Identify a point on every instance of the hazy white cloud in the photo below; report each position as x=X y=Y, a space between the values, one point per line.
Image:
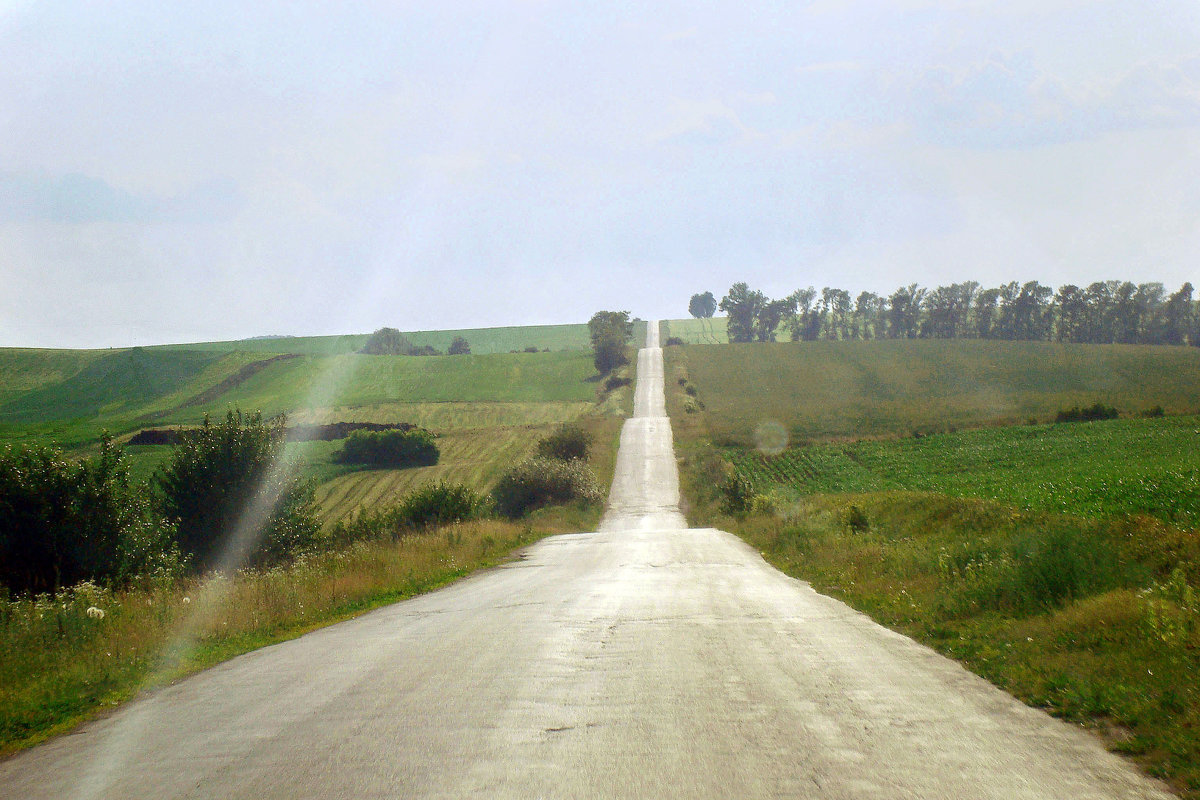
x=174 y=172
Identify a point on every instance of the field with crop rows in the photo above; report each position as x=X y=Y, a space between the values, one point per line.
x=474 y=458
x=1093 y=469
x=849 y=390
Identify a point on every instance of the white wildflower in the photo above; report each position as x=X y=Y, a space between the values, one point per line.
x=187 y=600
x=95 y=613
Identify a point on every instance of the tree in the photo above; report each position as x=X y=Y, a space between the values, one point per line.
x=459 y=347
x=702 y=306
x=768 y=318
x=387 y=342
x=743 y=306
x=63 y=521
x=1178 y=314
x=610 y=332
x=905 y=312
x=228 y=497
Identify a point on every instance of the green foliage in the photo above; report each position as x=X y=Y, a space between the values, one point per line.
x=616 y=382
x=432 y=505
x=537 y=482
x=397 y=448
x=387 y=342
x=702 y=306
x=673 y=341
x=62 y=522
x=1094 y=412
x=610 y=333
x=224 y=489
x=737 y=494
x=459 y=347
x=570 y=440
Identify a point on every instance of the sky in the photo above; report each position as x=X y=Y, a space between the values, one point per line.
x=177 y=172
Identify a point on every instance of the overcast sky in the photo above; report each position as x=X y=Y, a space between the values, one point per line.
x=177 y=172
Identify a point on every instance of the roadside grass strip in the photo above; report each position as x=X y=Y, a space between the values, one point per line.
x=69 y=656
x=1096 y=621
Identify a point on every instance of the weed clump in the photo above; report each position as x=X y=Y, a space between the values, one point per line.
x=568 y=441
x=1095 y=412
x=541 y=481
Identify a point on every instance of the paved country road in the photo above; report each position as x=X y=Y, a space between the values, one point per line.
x=644 y=660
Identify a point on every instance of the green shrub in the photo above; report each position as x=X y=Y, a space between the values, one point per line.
x=544 y=481
x=435 y=504
x=1094 y=412
x=438 y=504
x=387 y=342
x=737 y=495
x=673 y=341
x=63 y=522
x=616 y=382
x=569 y=441
x=222 y=489
x=394 y=448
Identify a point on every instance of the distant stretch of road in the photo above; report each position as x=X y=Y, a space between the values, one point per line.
x=645 y=660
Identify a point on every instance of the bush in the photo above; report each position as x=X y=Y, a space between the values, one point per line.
x=395 y=448
x=391 y=342
x=737 y=495
x=438 y=504
x=64 y=522
x=459 y=347
x=223 y=491
x=543 y=481
x=615 y=382
x=1097 y=411
x=531 y=349
x=387 y=342
x=569 y=441
x=673 y=341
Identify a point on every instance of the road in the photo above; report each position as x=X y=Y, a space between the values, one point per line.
x=644 y=660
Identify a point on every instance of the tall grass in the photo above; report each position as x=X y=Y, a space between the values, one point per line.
x=59 y=664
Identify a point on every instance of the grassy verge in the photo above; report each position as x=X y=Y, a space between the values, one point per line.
x=1094 y=621
x=60 y=665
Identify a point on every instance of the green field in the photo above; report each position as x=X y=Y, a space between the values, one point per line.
x=1095 y=469
x=696 y=331
x=850 y=390
x=489 y=408
x=482 y=340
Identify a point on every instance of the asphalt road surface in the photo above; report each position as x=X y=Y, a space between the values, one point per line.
x=645 y=660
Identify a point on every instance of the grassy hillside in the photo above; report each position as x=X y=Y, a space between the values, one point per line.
x=482 y=340
x=823 y=390
x=488 y=409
